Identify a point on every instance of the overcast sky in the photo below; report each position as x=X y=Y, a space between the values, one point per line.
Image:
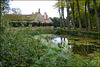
x=27 y=7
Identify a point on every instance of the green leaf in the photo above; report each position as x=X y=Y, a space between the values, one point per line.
x=51 y=51
x=39 y=62
x=62 y=55
x=55 y=47
x=34 y=65
x=41 y=58
x=53 y=58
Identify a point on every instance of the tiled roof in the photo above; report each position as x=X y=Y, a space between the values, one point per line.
x=15 y=17
x=33 y=16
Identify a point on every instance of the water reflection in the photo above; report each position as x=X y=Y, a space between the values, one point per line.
x=84 y=49
x=60 y=40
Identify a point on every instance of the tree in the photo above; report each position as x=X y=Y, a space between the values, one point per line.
x=4 y=6
x=60 y=18
x=89 y=16
x=62 y=12
x=62 y=9
x=15 y=11
x=87 y=13
x=68 y=16
x=72 y=7
x=96 y=13
x=60 y=4
x=56 y=21
x=80 y=26
x=0 y=12
x=85 y=16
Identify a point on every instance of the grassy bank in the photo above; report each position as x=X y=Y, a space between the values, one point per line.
x=33 y=28
x=78 y=33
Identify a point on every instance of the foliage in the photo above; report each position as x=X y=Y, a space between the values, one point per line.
x=15 y=11
x=78 y=33
x=26 y=24
x=81 y=4
x=4 y=6
x=18 y=48
x=56 y=21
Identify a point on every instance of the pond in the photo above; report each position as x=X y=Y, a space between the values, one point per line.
x=83 y=46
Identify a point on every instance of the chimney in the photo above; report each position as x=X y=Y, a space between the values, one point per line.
x=32 y=12
x=39 y=10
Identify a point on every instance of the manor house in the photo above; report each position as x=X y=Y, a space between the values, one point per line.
x=32 y=18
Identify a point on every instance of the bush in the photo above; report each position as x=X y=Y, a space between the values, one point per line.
x=78 y=33
x=18 y=24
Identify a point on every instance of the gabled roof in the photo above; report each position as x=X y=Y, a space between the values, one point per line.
x=15 y=17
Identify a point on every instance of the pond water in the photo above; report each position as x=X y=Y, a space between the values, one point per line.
x=78 y=45
x=51 y=38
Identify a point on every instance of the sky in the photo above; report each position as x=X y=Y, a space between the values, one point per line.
x=27 y=7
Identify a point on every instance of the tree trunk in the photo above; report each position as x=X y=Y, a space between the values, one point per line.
x=61 y=26
x=80 y=26
x=85 y=16
x=73 y=16
x=72 y=7
x=0 y=12
x=0 y=17
x=68 y=18
x=89 y=28
x=63 y=17
x=60 y=18
x=97 y=19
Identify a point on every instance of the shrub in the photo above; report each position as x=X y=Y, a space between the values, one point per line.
x=78 y=33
